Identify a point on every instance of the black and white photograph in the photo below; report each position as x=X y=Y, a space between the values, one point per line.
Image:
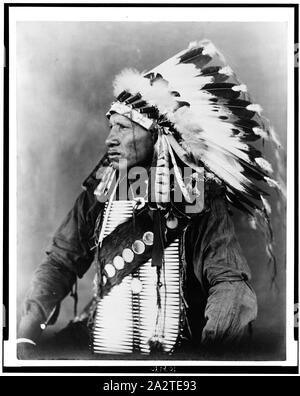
x=151 y=187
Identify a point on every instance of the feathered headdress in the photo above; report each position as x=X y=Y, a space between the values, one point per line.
x=205 y=116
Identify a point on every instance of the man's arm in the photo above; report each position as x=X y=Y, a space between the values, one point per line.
x=220 y=265
x=68 y=257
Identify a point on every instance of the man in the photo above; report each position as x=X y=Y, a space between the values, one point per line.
x=184 y=114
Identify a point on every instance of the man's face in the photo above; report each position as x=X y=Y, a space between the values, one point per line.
x=128 y=141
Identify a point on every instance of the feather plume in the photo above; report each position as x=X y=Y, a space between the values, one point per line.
x=261 y=132
x=264 y=164
x=129 y=80
x=178 y=175
x=275 y=184
x=240 y=88
x=266 y=205
x=226 y=70
x=255 y=107
x=162 y=175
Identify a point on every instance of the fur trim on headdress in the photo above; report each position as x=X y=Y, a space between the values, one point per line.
x=157 y=94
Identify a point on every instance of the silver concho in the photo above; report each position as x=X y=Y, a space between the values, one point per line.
x=148 y=238
x=110 y=270
x=128 y=255
x=118 y=262
x=138 y=247
x=172 y=223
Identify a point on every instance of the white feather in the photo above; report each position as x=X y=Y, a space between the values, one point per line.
x=255 y=107
x=275 y=184
x=260 y=132
x=211 y=50
x=130 y=80
x=271 y=182
x=240 y=88
x=211 y=176
x=264 y=164
x=162 y=177
x=226 y=169
x=266 y=205
x=224 y=166
x=177 y=173
x=226 y=70
x=192 y=44
x=158 y=94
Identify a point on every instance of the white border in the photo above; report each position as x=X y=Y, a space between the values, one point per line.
x=151 y=14
x=147 y=14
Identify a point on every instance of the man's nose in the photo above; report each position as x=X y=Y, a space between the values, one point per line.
x=112 y=139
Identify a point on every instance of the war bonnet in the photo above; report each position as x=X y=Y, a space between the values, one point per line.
x=205 y=116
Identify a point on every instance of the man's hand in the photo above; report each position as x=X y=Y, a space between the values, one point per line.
x=230 y=307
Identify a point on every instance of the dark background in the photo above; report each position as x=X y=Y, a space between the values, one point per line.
x=64 y=87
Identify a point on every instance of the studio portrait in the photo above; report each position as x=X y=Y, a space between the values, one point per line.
x=151 y=190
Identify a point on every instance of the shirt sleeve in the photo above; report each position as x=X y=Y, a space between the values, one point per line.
x=69 y=256
x=221 y=268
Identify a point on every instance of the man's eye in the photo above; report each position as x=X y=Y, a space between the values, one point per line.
x=119 y=126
